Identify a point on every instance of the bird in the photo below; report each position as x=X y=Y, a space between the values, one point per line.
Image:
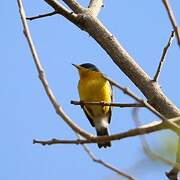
x=94 y=87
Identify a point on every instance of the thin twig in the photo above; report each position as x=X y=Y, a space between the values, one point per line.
x=102 y=103
x=172 y=19
x=163 y=57
x=42 y=16
x=145 y=129
x=95 y=6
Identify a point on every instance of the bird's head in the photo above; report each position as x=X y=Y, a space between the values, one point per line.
x=86 y=69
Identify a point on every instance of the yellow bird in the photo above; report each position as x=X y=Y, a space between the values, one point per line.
x=93 y=87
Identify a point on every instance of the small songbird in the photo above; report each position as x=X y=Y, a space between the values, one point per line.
x=93 y=87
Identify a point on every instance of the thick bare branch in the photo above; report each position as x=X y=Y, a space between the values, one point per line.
x=126 y=63
x=156 y=77
x=95 y=6
x=102 y=103
x=172 y=19
x=41 y=16
x=43 y=79
x=145 y=129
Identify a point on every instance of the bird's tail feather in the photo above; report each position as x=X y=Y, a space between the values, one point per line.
x=103 y=132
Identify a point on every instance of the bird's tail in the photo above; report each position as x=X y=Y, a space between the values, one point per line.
x=103 y=132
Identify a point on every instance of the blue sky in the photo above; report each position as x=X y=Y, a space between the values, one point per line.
x=142 y=27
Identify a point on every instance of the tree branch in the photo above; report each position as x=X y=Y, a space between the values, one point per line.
x=145 y=129
x=102 y=103
x=172 y=19
x=156 y=77
x=41 y=16
x=95 y=6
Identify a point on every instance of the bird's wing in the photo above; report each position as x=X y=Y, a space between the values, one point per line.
x=109 y=116
x=89 y=114
x=110 y=108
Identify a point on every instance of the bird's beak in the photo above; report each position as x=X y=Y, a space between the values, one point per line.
x=77 y=66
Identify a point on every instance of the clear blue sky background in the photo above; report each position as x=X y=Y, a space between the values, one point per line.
x=26 y=113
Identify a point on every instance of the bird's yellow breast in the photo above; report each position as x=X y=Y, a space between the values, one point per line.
x=95 y=88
